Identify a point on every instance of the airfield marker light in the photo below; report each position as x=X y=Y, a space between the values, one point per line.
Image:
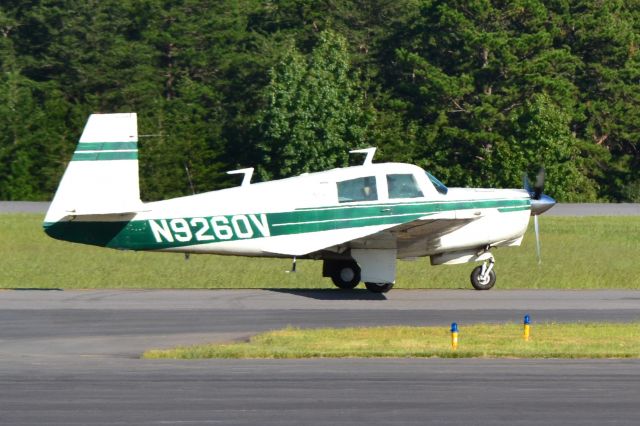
x=454 y=336
x=527 y=327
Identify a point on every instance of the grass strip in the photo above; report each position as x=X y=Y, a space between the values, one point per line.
x=551 y=340
x=577 y=253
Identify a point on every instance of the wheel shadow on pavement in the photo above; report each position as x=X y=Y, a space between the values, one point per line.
x=332 y=294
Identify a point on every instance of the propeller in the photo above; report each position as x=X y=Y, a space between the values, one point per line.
x=539 y=186
x=535 y=192
x=536 y=227
x=540 y=203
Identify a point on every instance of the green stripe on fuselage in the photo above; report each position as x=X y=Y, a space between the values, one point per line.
x=513 y=209
x=105 y=156
x=106 y=146
x=180 y=232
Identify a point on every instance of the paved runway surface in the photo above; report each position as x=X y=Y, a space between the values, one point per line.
x=561 y=209
x=71 y=358
x=595 y=209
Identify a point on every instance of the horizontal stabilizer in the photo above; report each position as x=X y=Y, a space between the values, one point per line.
x=107 y=211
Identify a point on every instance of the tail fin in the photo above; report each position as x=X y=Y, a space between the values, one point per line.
x=102 y=177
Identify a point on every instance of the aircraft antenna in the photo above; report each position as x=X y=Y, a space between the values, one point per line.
x=193 y=191
x=248 y=173
x=293 y=266
x=186 y=168
x=368 y=160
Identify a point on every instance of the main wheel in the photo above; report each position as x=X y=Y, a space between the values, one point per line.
x=346 y=275
x=379 y=287
x=482 y=283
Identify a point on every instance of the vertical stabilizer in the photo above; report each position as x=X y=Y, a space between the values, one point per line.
x=102 y=177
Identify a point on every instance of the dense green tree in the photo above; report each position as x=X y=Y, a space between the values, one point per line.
x=314 y=115
x=466 y=68
x=541 y=136
x=476 y=91
x=604 y=36
x=31 y=126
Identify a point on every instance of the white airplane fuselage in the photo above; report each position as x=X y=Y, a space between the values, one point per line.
x=288 y=217
x=358 y=219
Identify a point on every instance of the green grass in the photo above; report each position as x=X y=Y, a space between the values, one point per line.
x=578 y=253
x=599 y=340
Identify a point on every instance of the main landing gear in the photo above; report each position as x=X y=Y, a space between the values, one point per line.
x=483 y=277
x=345 y=274
x=379 y=287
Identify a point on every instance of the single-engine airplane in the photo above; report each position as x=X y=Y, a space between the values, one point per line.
x=358 y=220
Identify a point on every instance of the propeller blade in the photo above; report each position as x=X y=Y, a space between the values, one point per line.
x=537 y=229
x=526 y=184
x=539 y=186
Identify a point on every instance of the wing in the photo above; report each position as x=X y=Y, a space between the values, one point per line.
x=423 y=236
x=301 y=245
x=423 y=230
x=412 y=239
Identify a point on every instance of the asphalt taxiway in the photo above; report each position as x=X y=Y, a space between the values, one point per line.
x=560 y=209
x=72 y=357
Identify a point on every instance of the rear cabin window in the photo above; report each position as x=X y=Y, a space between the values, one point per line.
x=403 y=186
x=360 y=189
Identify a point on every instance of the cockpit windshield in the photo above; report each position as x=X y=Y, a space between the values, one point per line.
x=440 y=187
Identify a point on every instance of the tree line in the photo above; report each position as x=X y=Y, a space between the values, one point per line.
x=476 y=91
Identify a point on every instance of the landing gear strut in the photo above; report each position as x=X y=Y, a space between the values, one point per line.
x=483 y=277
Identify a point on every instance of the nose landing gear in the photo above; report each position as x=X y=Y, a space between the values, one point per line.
x=483 y=277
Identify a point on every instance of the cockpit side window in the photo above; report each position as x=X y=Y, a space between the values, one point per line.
x=403 y=186
x=359 y=189
x=440 y=187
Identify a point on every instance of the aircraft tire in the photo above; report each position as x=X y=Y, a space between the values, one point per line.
x=346 y=275
x=379 y=287
x=485 y=284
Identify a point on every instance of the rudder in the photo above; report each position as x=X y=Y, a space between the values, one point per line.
x=102 y=176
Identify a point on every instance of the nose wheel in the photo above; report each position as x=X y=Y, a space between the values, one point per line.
x=483 y=277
